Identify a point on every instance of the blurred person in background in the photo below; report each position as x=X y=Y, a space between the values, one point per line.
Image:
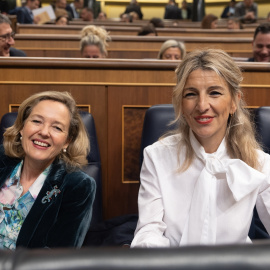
x=25 y=14
x=229 y=10
x=246 y=11
x=134 y=6
x=94 y=42
x=185 y=11
x=209 y=22
x=148 y=30
x=157 y=22
x=87 y=14
x=172 y=50
x=61 y=20
x=102 y=16
x=74 y=8
x=172 y=12
x=234 y=23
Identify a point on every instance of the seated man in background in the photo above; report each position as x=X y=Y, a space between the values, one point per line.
x=73 y=8
x=134 y=6
x=172 y=12
x=7 y=38
x=261 y=44
x=25 y=14
x=246 y=11
x=87 y=14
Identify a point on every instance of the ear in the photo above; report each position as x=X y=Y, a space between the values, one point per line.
x=67 y=143
x=235 y=103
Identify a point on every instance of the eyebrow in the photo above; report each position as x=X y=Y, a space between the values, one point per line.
x=213 y=87
x=55 y=122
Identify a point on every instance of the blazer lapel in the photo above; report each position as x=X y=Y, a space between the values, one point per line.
x=34 y=217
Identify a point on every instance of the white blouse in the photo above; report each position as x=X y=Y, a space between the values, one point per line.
x=210 y=203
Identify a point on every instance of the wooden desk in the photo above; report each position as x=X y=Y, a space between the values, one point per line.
x=118 y=93
x=129 y=47
x=133 y=30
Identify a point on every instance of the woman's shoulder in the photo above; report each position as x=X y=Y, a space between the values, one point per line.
x=264 y=160
x=70 y=177
x=166 y=142
x=79 y=176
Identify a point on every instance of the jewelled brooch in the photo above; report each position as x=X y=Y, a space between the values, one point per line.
x=50 y=194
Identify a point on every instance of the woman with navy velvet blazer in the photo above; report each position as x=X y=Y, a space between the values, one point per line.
x=45 y=199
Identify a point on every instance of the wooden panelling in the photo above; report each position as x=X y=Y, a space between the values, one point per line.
x=119 y=92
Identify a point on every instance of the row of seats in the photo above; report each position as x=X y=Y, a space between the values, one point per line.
x=156 y=122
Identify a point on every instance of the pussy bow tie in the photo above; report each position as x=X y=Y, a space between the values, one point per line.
x=200 y=227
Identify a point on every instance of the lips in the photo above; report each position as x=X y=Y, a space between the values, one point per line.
x=40 y=143
x=204 y=119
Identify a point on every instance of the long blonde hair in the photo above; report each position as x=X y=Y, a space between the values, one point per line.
x=240 y=135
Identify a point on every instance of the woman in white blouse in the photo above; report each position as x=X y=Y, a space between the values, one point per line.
x=199 y=185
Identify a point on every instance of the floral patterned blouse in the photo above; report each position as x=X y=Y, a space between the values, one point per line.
x=14 y=207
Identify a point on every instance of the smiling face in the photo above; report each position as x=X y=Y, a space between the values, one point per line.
x=5 y=43
x=92 y=51
x=206 y=104
x=45 y=133
x=172 y=53
x=261 y=48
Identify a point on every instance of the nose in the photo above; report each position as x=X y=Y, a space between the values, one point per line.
x=44 y=131
x=11 y=41
x=264 y=50
x=202 y=104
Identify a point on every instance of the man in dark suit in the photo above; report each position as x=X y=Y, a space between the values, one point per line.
x=73 y=8
x=134 y=7
x=25 y=14
x=7 y=38
x=172 y=11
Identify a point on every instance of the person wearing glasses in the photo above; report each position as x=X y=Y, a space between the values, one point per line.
x=7 y=38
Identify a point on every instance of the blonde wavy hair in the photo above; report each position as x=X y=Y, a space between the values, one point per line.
x=93 y=35
x=78 y=148
x=240 y=134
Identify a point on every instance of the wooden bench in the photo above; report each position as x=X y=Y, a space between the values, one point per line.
x=117 y=92
x=133 y=30
x=129 y=47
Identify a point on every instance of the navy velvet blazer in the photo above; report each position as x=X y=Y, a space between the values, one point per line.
x=64 y=220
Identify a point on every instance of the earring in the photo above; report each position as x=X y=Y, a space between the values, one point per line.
x=64 y=150
x=21 y=138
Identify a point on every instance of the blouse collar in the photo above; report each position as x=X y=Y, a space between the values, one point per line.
x=35 y=187
x=200 y=152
